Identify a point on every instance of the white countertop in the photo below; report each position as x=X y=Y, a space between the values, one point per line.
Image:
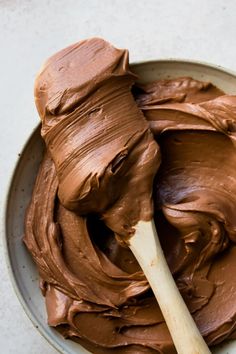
x=32 y=30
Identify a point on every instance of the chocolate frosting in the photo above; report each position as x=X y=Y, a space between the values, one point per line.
x=99 y=140
x=96 y=293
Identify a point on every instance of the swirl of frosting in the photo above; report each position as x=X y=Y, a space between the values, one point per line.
x=95 y=292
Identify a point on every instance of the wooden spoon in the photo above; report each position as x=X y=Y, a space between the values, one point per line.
x=146 y=247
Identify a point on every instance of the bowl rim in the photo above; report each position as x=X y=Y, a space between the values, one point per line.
x=185 y=61
x=13 y=174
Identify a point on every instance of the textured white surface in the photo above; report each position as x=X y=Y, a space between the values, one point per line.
x=30 y=31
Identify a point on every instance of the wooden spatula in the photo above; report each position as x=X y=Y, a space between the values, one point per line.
x=146 y=247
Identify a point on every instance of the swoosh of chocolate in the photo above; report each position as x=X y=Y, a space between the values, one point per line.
x=95 y=292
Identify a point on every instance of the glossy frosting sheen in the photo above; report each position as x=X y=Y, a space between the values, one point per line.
x=95 y=292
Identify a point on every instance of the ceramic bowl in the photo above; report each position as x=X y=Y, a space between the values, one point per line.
x=21 y=267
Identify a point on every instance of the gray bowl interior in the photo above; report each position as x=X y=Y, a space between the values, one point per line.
x=21 y=267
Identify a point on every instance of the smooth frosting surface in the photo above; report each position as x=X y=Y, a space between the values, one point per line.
x=95 y=292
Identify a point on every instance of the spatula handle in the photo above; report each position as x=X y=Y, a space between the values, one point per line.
x=146 y=247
